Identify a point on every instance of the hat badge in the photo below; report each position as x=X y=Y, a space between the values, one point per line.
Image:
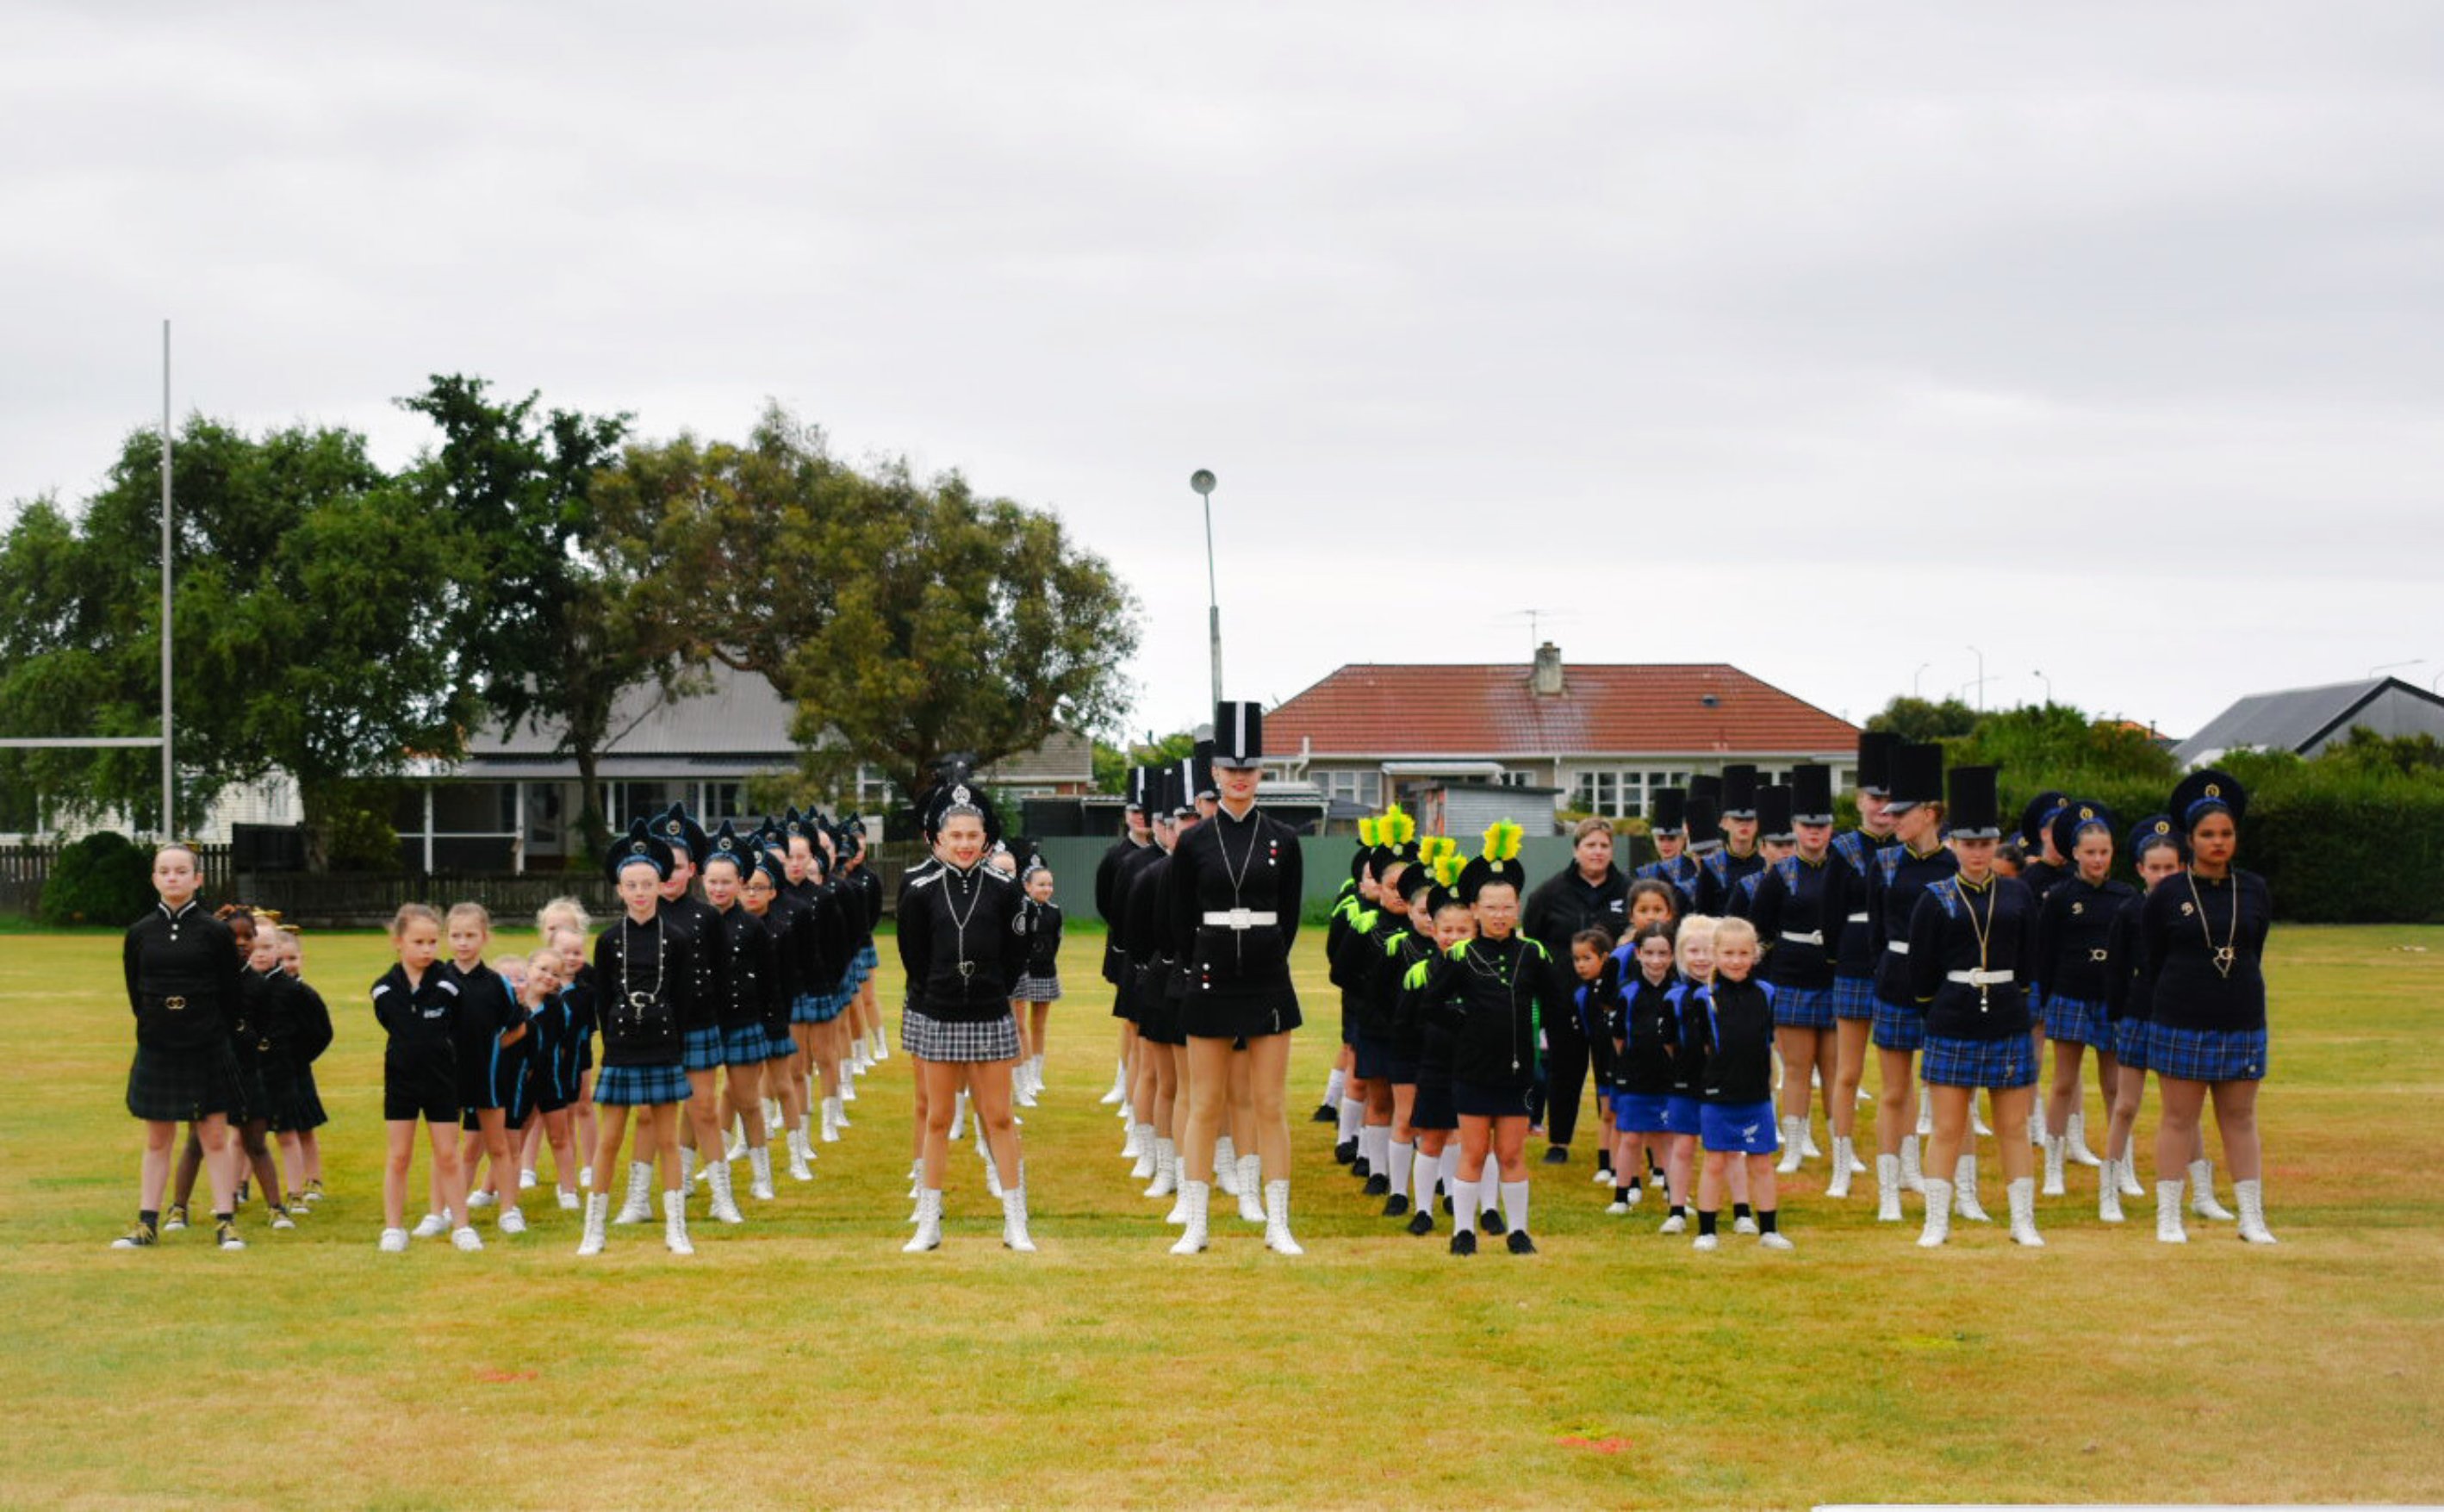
x=2163 y=827
x=2085 y=812
x=636 y=848
x=672 y=828
x=960 y=794
x=2214 y=790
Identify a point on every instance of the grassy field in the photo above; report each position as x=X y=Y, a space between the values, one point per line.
x=801 y=1360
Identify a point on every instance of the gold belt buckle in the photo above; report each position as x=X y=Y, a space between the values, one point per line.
x=174 y=1004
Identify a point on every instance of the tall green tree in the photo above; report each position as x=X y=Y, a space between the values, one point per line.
x=307 y=636
x=1922 y=720
x=908 y=619
x=548 y=606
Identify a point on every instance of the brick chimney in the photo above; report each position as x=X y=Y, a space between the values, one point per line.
x=1546 y=680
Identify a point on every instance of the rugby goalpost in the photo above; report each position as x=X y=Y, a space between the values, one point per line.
x=169 y=787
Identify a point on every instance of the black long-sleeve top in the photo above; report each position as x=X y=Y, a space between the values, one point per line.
x=1738 y=1025
x=692 y=917
x=271 y=1011
x=313 y=1024
x=2075 y=936
x=1719 y=875
x=1109 y=900
x=1223 y=865
x=827 y=941
x=1964 y=926
x=1898 y=877
x=645 y=978
x=746 y=969
x=1855 y=953
x=421 y=1018
x=1496 y=997
x=1358 y=968
x=788 y=923
x=1687 y=1000
x=182 y=972
x=1798 y=916
x=1645 y=1030
x=2186 y=920
x=1040 y=924
x=1403 y=952
x=960 y=943
x=1681 y=872
x=487 y=1010
x=1145 y=927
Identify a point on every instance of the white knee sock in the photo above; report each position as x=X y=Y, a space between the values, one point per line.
x=1404 y=1159
x=1430 y=1169
x=1353 y=1117
x=1463 y=1209
x=1515 y=1205
x=1332 y=1085
x=1489 y=1187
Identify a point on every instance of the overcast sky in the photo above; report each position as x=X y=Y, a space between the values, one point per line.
x=1826 y=340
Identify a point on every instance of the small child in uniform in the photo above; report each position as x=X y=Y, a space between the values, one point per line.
x=1039 y=985
x=416 y=1003
x=1736 y=1115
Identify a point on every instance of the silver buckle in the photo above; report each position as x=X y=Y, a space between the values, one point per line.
x=1243 y=919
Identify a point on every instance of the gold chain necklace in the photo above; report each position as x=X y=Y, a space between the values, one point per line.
x=2225 y=956
x=1982 y=929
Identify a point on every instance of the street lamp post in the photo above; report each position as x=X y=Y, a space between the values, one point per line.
x=1981 y=677
x=1918 y=677
x=1202 y=481
x=2039 y=675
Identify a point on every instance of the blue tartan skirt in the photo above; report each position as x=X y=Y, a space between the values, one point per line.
x=1854 y=997
x=1898 y=1028
x=867 y=960
x=701 y=1050
x=630 y=1086
x=2009 y=1061
x=2076 y=1019
x=2206 y=1055
x=2130 y=1042
x=779 y=1044
x=826 y=1007
x=745 y=1045
x=1802 y=1008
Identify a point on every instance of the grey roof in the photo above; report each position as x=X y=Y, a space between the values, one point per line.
x=2294 y=719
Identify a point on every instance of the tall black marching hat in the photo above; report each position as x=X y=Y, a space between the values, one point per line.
x=1139 y=778
x=1669 y=814
x=2039 y=816
x=1740 y=790
x=1916 y=776
x=1973 y=811
x=1705 y=811
x=1876 y=748
x=2074 y=819
x=1773 y=812
x=640 y=846
x=1183 y=786
x=1238 y=735
x=1200 y=763
x=2205 y=791
x=1811 y=793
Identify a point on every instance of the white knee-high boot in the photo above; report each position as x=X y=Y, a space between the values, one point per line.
x=2202 y=1197
x=1888 y=1189
x=1964 y=1191
x=2021 y=1196
x=2053 y=1166
x=2251 y=1197
x=2108 y=1193
x=1938 y=1213
x=1794 y=1133
x=1193 y=1196
x=2167 y=1213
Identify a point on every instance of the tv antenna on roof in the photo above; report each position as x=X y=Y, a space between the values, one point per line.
x=1536 y=619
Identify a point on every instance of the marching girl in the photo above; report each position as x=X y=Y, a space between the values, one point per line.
x=648 y=975
x=1669 y=828
x=1597 y=1001
x=544 y=1114
x=1651 y=901
x=2033 y=858
x=1155 y=1098
x=1403 y=1041
x=1136 y=835
x=784 y=1083
x=1903 y=873
x=911 y=879
x=269 y=1010
x=1694 y=957
x=493 y=1042
x=1433 y=1119
x=2074 y=951
x=863 y=908
x=1855 y=958
x=1039 y=988
x=181 y=968
x=416 y=1003
x=701 y=1050
x=1494 y=994
x=301 y=1147
x=1973 y=941
x=1798 y=915
x=821 y=934
x=2155 y=853
x=1644 y=1027
x=1735 y=1110
x=744 y=974
x=566 y=917
x=959 y=944
x=1236 y=891
x=1351 y=895
x=1353 y=916
x=2201 y=946
x=1357 y=969
x=1724 y=867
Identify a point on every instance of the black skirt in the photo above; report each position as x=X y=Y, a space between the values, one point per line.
x=179 y=1086
x=1238 y=1017
x=305 y=1106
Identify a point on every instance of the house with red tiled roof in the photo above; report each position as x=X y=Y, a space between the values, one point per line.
x=1602 y=737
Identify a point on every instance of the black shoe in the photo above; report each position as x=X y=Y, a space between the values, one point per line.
x=1377 y=1186
x=1521 y=1243
x=1421 y=1223
x=1558 y=1155
x=1326 y=1113
x=1361 y=1168
x=1345 y=1151
x=1398 y=1206
x=1463 y=1242
x=1492 y=1223
x=1447 y=1206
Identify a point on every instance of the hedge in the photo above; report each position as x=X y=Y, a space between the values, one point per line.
x=103 y=878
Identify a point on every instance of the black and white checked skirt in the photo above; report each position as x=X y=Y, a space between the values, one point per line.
x=931 y=1038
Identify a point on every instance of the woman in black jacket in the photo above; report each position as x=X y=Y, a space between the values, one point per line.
x=1590 y=893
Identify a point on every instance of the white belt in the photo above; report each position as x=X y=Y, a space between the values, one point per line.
x=1978 y=979
x=1802 y=937
x=1860 y=917
x=1241 y=920
x=1897 y=947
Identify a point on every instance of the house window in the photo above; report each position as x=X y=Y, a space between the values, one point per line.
x=873 y=790
x=1364 y=788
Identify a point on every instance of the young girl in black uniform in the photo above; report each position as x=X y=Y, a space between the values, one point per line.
x=2202 y=941
x=416 y=1005
x=302 y=1148
x=491 y=1053
x=1900 y=874
x=1040 y=987
x=1736 y=1113
x=1973 y=938
x=1403 y=1041
x=181 y=968
x=646 y=972
x=544 y=1117
x=559 y=917
x=2074 y=939
x=1495 y=994
x=762 y=893
x=743 y=974
x=270 y=1011
x=1644 y=1029
x=1798 y=913
x=2156 y=851
x=1431 y=1116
